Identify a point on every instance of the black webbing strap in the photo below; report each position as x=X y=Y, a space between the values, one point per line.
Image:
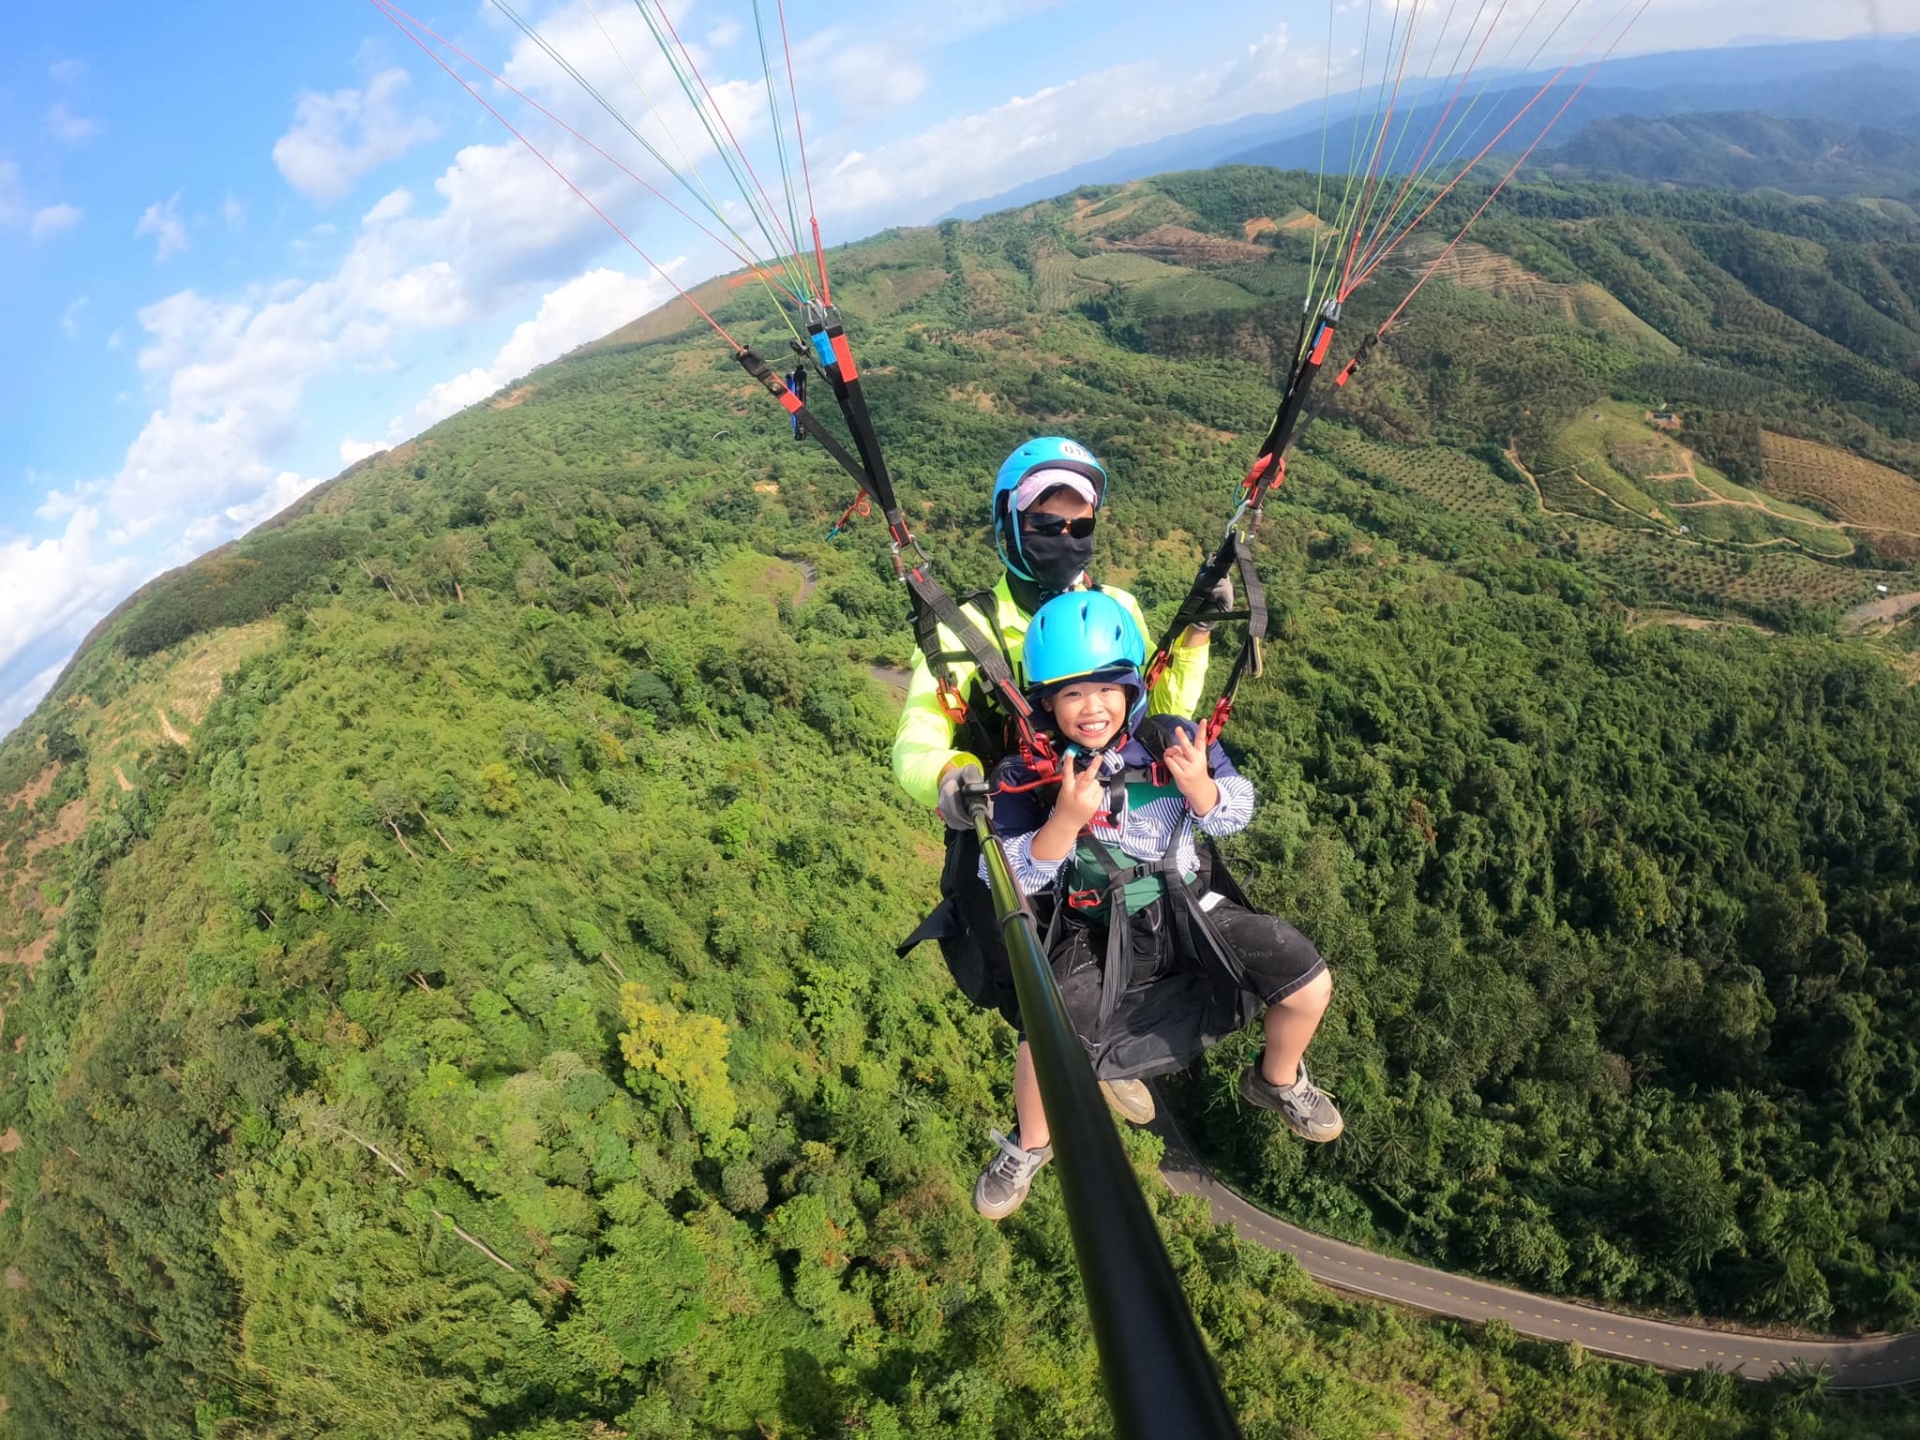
x=844 y=376
x=933 y=607
x=1119 y=958
x=1233 y=555
x=776 y=386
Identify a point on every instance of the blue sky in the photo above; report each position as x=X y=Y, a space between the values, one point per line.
x=242 y=245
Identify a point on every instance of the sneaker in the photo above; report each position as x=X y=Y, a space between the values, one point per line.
x=1308 y=1110
x=1129 y=1099
x=1005 y=1183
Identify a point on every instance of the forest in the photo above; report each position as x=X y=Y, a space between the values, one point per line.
x=482 y=1018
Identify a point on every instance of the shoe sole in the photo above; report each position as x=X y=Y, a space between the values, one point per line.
x=1250 y=1094
x=1131 y=1114
x=981 y=1208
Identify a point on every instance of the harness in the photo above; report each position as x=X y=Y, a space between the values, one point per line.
x=1195 y=941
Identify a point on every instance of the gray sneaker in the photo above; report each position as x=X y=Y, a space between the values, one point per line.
x=1308 y=1110
x=1005 y=1183
x=1129 y=1099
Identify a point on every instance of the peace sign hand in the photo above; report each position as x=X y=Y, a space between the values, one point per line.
x=1083 y=791
x=1186 y=762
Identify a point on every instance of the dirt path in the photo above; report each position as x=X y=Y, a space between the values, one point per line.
x=121 y=776
x=1513 y=454
x=1879 y=1363
x=1887 y=607
x=172 y=734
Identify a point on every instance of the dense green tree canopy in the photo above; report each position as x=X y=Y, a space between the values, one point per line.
x=488 y=1023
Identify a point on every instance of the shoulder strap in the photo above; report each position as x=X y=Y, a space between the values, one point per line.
x=934 y=608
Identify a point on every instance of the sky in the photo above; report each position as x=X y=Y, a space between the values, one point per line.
x=242 y=246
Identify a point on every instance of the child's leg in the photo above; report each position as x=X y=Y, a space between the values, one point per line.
x=1290 y=1024
x=1281 y=963
x=1026 y=1100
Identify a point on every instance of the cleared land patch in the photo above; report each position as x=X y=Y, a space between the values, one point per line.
x=1183 y=246
x=1475 y=267
x=1613 y=464
x=1844 y=486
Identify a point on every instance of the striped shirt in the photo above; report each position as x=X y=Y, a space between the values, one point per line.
x=1142 y=832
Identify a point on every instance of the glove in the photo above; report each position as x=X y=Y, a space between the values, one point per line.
x=952 y=806
x=1219 y=600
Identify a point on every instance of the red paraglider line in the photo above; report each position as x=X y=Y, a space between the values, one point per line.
x=508 y=85
x=393 y=14
x=720 y=114
x=1514 y=169
x=1366 y=206
x=1467 y=169
x=813 y=213
x=1413 y=175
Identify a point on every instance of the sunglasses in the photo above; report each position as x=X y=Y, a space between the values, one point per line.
x=1045 y=524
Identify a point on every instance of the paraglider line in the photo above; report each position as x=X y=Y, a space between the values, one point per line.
x=387 y=5
x=1514 y=169
x=813 y=213
x=1467 y=169
x=385 y=8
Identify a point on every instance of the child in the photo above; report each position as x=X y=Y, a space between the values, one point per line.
x=1116 y=834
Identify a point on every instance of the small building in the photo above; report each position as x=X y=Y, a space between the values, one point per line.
x=1879 y=589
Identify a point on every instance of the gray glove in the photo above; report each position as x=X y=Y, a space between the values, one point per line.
x=953 y=808
x=1219 y=601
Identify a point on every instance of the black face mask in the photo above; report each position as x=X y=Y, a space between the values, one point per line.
x=1056 y=561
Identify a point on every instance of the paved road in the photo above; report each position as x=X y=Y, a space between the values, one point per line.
x=1855 y=1365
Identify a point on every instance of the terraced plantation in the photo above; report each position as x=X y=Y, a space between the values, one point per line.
x=1876 y=498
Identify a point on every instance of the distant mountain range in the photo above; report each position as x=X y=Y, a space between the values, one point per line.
x=1745 y=151
x=1872 y=82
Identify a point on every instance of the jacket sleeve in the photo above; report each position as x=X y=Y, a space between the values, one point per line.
x=1183 y=686
x=923 y=741
x=1235 y=809
x=1179 y=690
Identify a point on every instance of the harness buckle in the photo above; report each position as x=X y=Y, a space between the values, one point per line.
x=1218 y=720
x=952 y=703
x=1085 y=899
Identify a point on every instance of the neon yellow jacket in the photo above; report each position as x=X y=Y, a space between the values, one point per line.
x=923 y=745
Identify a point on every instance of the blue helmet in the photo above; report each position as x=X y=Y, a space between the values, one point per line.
x=1084 y=635
x=1049 y=452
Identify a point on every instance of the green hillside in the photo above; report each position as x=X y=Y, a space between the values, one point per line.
x=451 y=985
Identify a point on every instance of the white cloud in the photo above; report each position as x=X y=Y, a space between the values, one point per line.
x=52 y=219
x=583 y=309
x=67 y=71
x=229 y=373
x=337 y=138
x=1081 y=118
x=70 y=317
x=69 y=128
x=234 y=521
x=56 y=586
x=162 y=221
x=19 y=704
x=873 y=77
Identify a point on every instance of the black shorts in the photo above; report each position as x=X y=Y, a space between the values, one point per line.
x=1276 y=958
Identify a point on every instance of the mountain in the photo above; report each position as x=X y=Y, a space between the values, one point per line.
x=1863 y=81
x=446 y=939
x=1746 y=151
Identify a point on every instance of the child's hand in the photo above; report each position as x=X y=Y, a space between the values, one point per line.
x=1186 y=762
x=1082 y=792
